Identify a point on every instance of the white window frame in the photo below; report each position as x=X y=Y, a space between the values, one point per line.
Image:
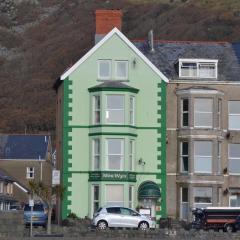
x=131 y=154
x=184 y=112
x=182 y=155
x=121 y=154
x=94 y=200
x=119 y=109
x=203 y=156
x=219 y=151
x=198 y=63
x=219 y=113
x=232 y=158
x=96 y=110
x=132 y=110
x=200 y=112
x=126 y=64
x=110 y=69
x=232 y=114
x=30 y=170
x=94 y=155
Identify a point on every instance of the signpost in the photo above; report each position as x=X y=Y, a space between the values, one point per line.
x=31 y=204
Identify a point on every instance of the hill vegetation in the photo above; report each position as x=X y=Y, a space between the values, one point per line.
x=40 y=39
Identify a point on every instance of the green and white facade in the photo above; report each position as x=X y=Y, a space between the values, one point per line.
x=111 y=130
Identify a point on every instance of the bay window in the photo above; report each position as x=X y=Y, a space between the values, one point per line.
x=131 y=155
x=115 y=153
x=234 y=115
x=203 y=157
x=115 y=109
x=203 y=112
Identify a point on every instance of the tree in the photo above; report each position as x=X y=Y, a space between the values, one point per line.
x=45 y=192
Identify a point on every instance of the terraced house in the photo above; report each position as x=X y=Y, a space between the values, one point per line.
x=111 y=126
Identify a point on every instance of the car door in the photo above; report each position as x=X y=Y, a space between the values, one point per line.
x=114 y=217
x=129 y=218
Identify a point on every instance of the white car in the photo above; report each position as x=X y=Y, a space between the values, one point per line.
x=121 y=217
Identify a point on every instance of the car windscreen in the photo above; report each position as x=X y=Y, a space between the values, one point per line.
x=36 y=208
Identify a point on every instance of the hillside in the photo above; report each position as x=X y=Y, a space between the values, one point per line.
x=39 y=39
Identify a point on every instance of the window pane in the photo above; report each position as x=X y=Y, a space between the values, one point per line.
x=121 y=69
x=203 y=148
x=104 y=69
x=115 y=102
x=96 y=154
x=115 y=146
x=234 y=122
x=203 y=156
x=202 y=195
x=207 y=70
x=234 y=158
x=184 y=148
x=234 y=150
x=114 y=195
x=185 y=164
x=203 y=119
x=114 y=162
x=234 y=107
x=184 y=194
x=185 y=120
x=115 y=109
x=185 y=104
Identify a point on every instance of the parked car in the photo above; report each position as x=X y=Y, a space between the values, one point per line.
x=121 y=217
x=39 y=215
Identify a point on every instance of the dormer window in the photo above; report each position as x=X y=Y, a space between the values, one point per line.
x=198 y=68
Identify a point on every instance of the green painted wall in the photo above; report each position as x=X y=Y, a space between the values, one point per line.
x=149 y=131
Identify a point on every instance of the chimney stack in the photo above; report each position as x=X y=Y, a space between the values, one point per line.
x=106 y=20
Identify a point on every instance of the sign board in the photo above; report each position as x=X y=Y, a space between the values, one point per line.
x=112 y=176
x=31 y=202
x=145 y=211
x=55 y=177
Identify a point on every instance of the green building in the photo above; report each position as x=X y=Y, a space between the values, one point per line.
x=111 y=130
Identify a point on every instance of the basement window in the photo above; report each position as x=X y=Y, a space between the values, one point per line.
x=198 y=68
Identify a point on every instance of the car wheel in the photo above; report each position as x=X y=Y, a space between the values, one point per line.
x=143 y=226
x=102 y=225
x=229 y=228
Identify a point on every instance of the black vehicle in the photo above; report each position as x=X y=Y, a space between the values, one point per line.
x=226 y=218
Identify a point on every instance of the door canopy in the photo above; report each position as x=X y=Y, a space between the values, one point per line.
x=149 y=190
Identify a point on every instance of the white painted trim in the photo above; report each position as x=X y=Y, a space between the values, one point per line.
x=27 y=160
x=172 y=174
x=99 y=44
x=201 y=181
x=201 y=136
x=198 y=60
x=21 y=187
x=172 y=129
x=198 y=91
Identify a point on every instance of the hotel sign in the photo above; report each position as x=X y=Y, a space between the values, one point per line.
x=112 y=176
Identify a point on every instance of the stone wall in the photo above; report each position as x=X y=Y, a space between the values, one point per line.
x=11 y=224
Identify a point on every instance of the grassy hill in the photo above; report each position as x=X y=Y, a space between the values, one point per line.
x=40 y=39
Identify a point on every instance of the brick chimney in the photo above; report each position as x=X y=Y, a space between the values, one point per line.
x=106 y=20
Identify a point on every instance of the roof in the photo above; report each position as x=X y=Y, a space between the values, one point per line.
x=5 y=177
x=167 y=54
x=100 y=43
x=23 y=147
x=113 y=85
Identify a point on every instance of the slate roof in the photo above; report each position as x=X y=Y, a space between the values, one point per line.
x=167 y=53
x=5 y=177
x=20 y=147
x=112 y=84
